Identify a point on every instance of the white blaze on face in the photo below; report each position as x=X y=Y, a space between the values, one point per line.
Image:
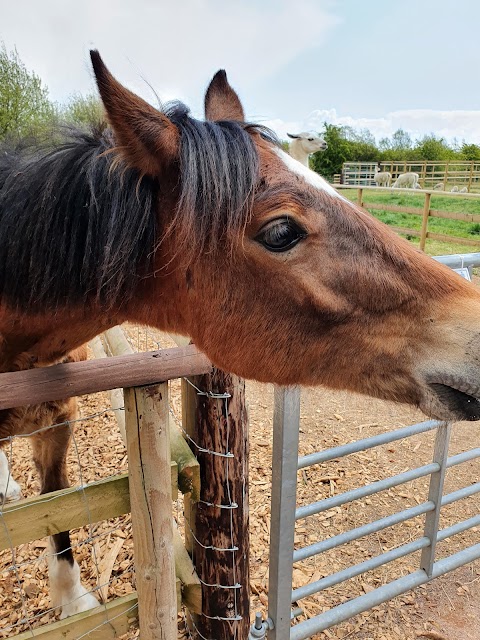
x=311 y=177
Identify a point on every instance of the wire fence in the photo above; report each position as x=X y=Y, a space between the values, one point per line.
x=227 y=553
x=102 y=549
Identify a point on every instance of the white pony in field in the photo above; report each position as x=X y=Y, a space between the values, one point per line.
x=382 y=178
x=305 y=143
x=439 y=187
x=407 y=181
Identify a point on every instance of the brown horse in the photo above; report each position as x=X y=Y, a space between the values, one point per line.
x=208 y=229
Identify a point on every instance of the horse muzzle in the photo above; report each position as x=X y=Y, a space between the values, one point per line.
x=451 y=397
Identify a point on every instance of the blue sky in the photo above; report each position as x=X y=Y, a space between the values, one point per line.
x=366 y=63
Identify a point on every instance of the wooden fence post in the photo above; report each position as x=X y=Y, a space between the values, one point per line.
x=426 y=213
x=215 y=417
x=148 y=447
x=470 y=176
x=360 y=197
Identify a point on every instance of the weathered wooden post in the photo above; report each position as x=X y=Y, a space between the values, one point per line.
x=426 y=213
x=360 y=197
x=148 y=447
x=215 y=417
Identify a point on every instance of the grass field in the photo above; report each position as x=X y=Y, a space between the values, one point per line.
x=456 y=228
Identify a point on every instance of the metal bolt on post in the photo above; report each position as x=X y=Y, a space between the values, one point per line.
x=259 y=628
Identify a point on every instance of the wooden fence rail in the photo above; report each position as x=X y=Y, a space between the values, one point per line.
x=60 y=381
x=450 y=172
x=426 y=212
x=159 y=550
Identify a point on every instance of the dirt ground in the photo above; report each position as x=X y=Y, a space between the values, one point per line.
x=446 y=609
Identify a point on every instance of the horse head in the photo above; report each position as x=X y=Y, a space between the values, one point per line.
x=279 y=278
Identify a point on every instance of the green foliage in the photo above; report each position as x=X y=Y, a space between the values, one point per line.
x=348 y=145
x=344 y=144
x=84 y=110
x=339 y=150
x=470 y=151
x=398 y=147
x=432 y=148
x=25 y=109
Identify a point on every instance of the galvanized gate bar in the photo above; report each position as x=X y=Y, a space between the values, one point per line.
x=382 y=523
x=368 y=490
x=459 y=494
x=364 y=602
x=282 y=551
x=389 y=556
x=457 y=528
x=463 y=457
x=366 y=443
x=359 y=532
x=435 y=491
x=286 y=423
x=357 y=569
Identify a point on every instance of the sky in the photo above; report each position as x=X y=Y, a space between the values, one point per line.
x=296 y=64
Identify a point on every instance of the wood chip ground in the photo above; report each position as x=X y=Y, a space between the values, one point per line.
x=448 y=608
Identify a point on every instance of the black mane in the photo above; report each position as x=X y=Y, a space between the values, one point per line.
x=76 y=224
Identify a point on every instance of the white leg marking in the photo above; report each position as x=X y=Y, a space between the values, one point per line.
x=9 y=489
x=67 y=591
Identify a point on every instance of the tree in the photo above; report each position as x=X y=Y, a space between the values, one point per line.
x=470 y=151
x=338 y=151
x=25 y=109
x=398 y=147
x=432 y=148
x=84 y=110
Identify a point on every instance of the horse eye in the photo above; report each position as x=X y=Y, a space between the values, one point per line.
x=281 y=234
x=310 y=139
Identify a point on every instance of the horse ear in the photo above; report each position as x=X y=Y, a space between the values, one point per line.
x=146 y=138
x=221 y=101
x=292 y=135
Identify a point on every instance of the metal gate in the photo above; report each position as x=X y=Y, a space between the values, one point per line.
x=285 y=513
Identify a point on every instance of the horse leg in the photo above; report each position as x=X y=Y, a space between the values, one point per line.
x=49 y=451
x=9 y=489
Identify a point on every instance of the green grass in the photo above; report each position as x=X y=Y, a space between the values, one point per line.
x=445 y=226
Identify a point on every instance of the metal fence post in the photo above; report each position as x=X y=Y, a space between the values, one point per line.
x=435 y=493
x=286 y=422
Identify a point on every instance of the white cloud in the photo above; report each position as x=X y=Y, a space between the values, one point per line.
x=281 y=127
x=460 y=124
x=176 y=47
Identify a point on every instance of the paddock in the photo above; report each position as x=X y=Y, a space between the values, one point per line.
x=431 y=172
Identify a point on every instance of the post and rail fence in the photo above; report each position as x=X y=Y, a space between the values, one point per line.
x=431 y=172
x=426 y=212
x=211 y=413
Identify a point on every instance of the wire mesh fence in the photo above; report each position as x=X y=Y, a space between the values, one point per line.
x=101 y=548
x=225 y=590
